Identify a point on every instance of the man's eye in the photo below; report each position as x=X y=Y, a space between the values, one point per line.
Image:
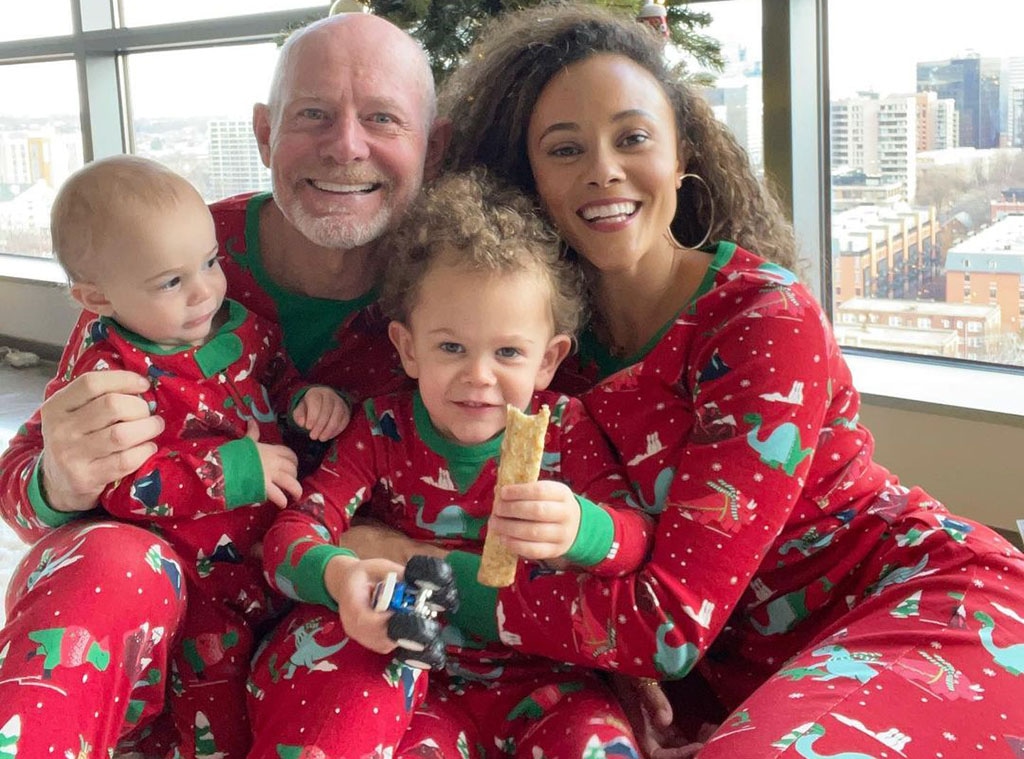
x=315 y=114
x=382 y=118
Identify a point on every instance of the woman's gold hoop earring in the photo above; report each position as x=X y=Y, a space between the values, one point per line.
x=711 y=213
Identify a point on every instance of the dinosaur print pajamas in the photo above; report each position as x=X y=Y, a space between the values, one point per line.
x=437 y=491
x=833 y=611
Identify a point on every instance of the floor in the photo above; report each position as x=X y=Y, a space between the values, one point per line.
x=21 y=391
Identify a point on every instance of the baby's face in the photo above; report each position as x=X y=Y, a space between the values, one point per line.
x=476 y=342
x=166 y=284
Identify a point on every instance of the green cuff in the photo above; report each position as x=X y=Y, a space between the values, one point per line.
x=308 y=577
x=477 y=616
x=595 y=537
x=243 y=473
x=46 y=515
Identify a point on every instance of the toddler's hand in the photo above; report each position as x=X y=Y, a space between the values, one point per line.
x=280 y=469
x=350 y=582
x=538 y=520
x=322 y=413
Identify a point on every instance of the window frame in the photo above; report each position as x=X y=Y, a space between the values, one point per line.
x=797 y=155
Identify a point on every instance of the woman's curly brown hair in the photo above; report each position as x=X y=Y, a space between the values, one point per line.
x=489 y=101
x=471 y=221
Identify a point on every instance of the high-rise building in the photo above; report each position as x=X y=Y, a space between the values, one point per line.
x=235 y=164
x=938 y=125
x=878 y=137
x=1015 y=102
x=973 y=84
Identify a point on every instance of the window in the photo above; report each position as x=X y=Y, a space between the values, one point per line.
x=40 y=144
x=189 y=107
x=931 y=121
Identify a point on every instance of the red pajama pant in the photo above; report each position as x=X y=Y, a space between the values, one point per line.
x=927 y=665
x=102 y=635
x=313 y=689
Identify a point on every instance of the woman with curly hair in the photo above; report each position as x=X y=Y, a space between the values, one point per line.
x=831 y=610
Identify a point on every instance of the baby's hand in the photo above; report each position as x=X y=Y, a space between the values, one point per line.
x=322 y=413
x=538 y=520
x=350 y=582
x=280 y=469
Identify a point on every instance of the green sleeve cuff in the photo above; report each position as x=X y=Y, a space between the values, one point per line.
x=477 y=616
x=308 y=576
x=36 y=498
x=243 y=473
x=595 y=537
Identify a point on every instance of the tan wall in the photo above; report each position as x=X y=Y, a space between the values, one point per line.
x=972 y=465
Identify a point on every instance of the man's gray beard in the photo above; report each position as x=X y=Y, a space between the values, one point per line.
x=343 y=234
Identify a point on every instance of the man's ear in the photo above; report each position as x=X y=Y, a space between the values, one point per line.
x=558 y=348
x=437 y=145
x=401 y=337
x=261 y=130
x=91 y=298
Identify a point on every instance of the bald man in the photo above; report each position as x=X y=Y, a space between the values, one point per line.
x=349 y=131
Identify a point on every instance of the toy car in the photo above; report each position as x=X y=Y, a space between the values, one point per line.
x=427 y=591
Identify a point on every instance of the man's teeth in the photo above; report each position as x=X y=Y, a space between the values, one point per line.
x=331 y=187
x=608 y=211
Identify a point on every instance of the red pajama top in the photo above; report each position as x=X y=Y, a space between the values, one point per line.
x=342 y=344
x=439 y=491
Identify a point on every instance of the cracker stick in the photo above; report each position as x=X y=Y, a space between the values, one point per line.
x=521 y=452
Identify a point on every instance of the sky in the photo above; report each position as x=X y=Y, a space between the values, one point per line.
x=874 y=44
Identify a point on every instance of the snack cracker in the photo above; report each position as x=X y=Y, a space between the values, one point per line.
x=521 y=452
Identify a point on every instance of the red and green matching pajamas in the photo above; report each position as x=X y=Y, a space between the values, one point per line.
x=833 y=611
x=312 y=686
x=96 y=606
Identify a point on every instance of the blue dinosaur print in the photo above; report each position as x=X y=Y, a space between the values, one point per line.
x=782 y=447
x=661 y=485
x=451 y=521
x=803 y=739
x=840 y=663
x=1011 y=657
x=673 y=661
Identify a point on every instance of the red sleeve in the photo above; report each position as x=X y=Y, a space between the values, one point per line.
x=724 y=501
x=293 y=548
x=591 y=469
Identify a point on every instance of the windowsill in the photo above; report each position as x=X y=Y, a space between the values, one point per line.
x=31 y=270
x=914 y=383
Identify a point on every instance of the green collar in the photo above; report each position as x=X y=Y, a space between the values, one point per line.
x=217 y=353
x=464 y=461
x=593 y=350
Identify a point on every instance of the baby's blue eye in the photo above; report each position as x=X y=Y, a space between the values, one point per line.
x=451 y=347
x=508 y=352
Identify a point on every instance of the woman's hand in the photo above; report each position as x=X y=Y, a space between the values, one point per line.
x=650 y=716
x=96 y=429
